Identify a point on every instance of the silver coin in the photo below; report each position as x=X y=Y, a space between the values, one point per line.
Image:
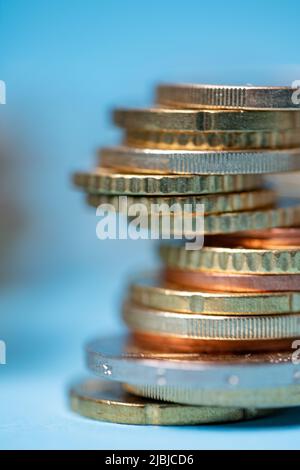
x=114 y=359
x=222 y=162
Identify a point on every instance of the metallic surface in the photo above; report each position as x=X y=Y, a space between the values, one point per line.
x=261 y=380
x=231 y=260
x=213 y=203
x=213 y=327
x=288 y=237
x=137 y=160
x=163 y=119
x=152 y=292
x=236 y=97
x=229 y=282
x=213 y=140
x=170 y=344
x=104 y=181
x=108 y=401
x=264 y=398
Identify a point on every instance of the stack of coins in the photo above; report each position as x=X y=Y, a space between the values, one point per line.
x=214 y=334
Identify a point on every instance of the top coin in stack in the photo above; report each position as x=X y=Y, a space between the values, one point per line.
x=228 y=97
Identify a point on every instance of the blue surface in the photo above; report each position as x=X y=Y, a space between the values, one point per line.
x=66 y=63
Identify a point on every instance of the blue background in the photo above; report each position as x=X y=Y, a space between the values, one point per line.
x=66 y=63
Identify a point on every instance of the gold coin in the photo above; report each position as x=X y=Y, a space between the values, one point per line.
x=229 y=140
x=200 y=162
x=185 y=120
x=213 y=203
x=230 y=97
x=232 y=260
x=108 y=401
x=152 y=293
x=103 y=181
x=285 y=215
x=210 y=327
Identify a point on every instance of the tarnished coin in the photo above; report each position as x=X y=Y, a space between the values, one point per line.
x=103 y=181
x=229 y=282
x=212 y=203
x=153 y=292
x=263 y=380
x=187 y=120
x=200 y=162
x=234 y=97
x=108 y=401
x=231 y=260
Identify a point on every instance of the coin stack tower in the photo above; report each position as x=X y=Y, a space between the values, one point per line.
x=214 y=336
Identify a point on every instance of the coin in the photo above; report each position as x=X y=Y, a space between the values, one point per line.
x=170 y=344
x=211 y=327
x=259 y=397
x=137 y=160
x=152 y=292
x=186 y=120
x=283 y=238
x=103 y=181
x=108 y=401
x=235 y=97
x=212 y=203
x=286 y=214
x=232 y=260
x=213 y=140
x=228 y=282
x=261 y=380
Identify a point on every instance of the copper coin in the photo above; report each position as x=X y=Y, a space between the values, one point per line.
x=150 y=342
x=271 y=238
x=233 y=282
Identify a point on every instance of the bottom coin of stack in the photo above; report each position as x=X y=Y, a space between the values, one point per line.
x=208 y=350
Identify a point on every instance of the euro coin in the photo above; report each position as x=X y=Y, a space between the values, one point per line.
x=229 y=97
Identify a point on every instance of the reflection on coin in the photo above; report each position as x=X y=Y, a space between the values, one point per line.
x=229 y=282
x=285 y=237
x=108 y=401
x=197 y=162
x=236 y=97
x=238 y=380
x=170 y=344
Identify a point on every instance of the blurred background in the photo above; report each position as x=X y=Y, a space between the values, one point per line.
x=66 y=64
